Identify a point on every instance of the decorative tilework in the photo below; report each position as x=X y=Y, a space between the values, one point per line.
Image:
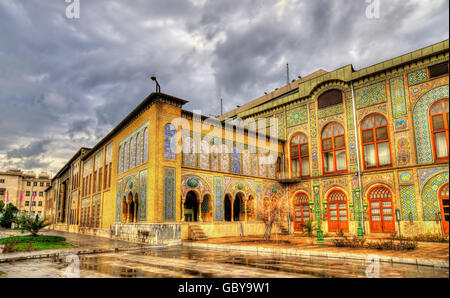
x=296 y=116
x=329 y=111
x=142 y=217
x=351 y=134
x=371 y=95
x=417 y=77
x=398 y=101
x=313 y=131
x=417 y=91
x=403 y=152
x=430 y=203
x=119 y=200
x=408 y=202
x=421 y=124
x=382 y=109
x=169 y=194
x=280 y=117
x=424 y=174
x=406 y=177
x=400 y=124
x=236 y=163
x=218 y=198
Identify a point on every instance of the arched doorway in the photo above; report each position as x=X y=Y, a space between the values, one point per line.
x=381 y=211
x=206 y=208
x=191 y=207
x=227 y=208
x=301 y=210
x=238 y=207
x=131 y=208
x=337 y=212
x=124 y=209
x=136 y=207
x=444 y=200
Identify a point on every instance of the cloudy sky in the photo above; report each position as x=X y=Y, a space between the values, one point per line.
x=64 y=83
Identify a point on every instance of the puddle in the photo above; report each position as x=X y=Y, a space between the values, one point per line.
x=184 y=262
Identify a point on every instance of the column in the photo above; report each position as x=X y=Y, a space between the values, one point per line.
x=232 y=210
x=245 y=209
x=200 y=210
x=183 y=200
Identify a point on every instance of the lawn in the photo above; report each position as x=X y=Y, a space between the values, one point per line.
x=29 y=243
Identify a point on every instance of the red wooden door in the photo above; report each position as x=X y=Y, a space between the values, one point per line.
x=301 y=210
x=443 y=198
x=381 y=216
x=337 y=212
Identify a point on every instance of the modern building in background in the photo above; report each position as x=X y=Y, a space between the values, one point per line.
x=360 y=145
x=25 y=190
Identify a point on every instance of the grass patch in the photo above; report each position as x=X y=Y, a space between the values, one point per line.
x=27 y=239
x=42 y=246
x=34 y=243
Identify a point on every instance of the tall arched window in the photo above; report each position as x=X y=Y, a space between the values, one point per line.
x=138 y=149
x=299 y=156
x=145 y=145
x=333 y=148
x=381 y=210
x=375 y=141
x=439 y=129
x=169 y=144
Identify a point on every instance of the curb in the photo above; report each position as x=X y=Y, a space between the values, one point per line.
x=312 y=253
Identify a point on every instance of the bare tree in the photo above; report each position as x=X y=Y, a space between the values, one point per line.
x=271 y=211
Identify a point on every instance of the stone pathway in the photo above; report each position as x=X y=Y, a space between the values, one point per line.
x=427 y=253
x=187 y=262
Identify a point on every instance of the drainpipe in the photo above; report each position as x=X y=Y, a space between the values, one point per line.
x=361 y=199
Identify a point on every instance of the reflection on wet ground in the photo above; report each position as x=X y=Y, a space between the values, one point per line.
x=185 y=262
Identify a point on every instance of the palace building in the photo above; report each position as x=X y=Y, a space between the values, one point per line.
x=363 y=144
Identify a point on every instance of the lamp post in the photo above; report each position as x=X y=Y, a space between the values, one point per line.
x=356 y=193
x=158 y=87
x=318 y=212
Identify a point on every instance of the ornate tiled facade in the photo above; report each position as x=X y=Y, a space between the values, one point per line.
x=228 y=177
x=417 y=77
x=421 y=123
x=371 y=95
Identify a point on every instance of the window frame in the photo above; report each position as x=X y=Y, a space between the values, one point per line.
x=299 y=157
x=375 y=143
x=433 y=132
x=333 y=149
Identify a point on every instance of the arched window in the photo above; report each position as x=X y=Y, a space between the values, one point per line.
x=329 y=98
x=145 y=145
x=333 y=148
x=439 y=129
x=299 y=156
x=138 y=149
x=126 y=157
x=375 y=141
x=120 y=159
x=169 y=145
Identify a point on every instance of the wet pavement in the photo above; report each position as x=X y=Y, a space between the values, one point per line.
x=186 y=262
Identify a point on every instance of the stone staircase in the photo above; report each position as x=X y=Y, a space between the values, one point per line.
x=196 y=233
x=284 y=229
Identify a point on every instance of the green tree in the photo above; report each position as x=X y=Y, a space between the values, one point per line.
x=9 y=216
x=309 y=227
x=34 y=225
x=2 y=205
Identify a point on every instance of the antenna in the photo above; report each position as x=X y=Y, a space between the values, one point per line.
x=221 y=107
x=287 y=73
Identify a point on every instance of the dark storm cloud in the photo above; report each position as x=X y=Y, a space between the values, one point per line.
x=71 y=81
x=33 y=149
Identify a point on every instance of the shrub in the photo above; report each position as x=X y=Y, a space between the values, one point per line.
x=308 y=228
x=9 y=247
x=34 y=225
x=380 y=244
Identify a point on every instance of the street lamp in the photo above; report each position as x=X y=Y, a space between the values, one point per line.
x=356 y=193
x=158 y=87
x=318 y=213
